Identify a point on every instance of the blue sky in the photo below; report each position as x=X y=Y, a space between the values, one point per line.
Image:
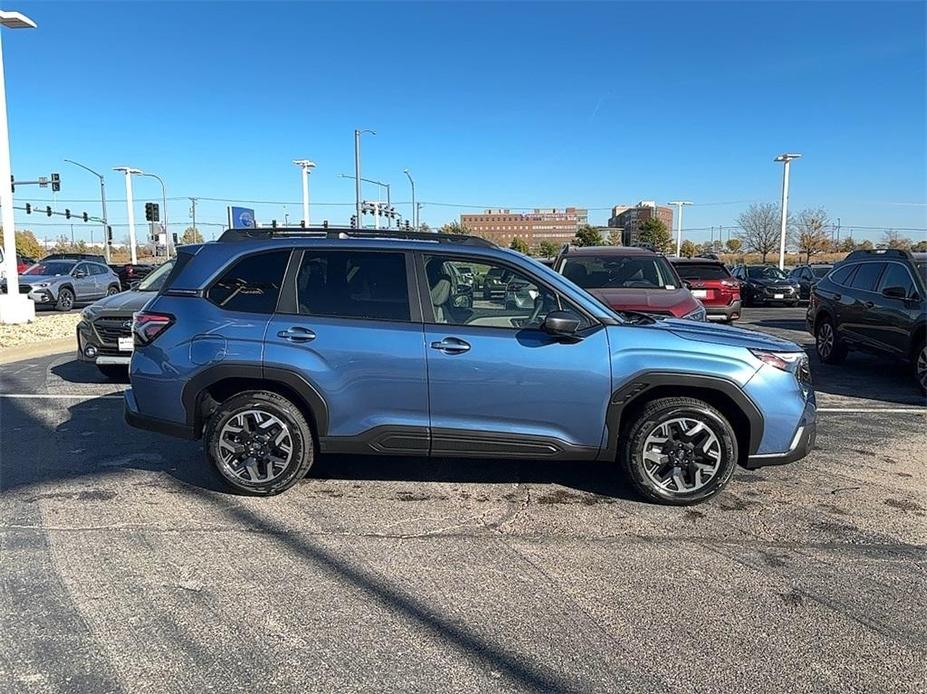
x=515 y=105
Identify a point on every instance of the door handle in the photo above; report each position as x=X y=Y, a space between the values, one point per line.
x=297 y=334
x=451 y=345
x=868 y=304
x=837 y=297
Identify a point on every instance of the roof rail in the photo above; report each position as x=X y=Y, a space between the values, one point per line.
x=879 y=253
x=332 y=233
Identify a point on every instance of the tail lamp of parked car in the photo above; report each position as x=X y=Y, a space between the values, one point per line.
x=147 y=325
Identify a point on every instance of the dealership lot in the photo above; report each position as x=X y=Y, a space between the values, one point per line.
x=126 y=565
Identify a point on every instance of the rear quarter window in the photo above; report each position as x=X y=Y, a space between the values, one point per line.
x=252 y=284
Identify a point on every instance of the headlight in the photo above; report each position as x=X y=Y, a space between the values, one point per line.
x=88 y=313
x=697 y=314
x=43 y=285
x=794 y=362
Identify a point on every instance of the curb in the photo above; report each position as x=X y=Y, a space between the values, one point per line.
x=39 y=349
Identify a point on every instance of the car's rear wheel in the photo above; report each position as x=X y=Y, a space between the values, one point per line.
x=828 y=346
x=65 y=300
x=260 y=443
x=680 y=451
x=113 y=289
x=920 y=366
x=113 y=371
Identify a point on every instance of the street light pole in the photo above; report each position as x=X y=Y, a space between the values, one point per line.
x=679 y=205
x=786 y=159
x=14 y=307
x=168 y=242
x=414 y=216
x=306 y=167
x=106 y=248
x=129 y=172
x=357 y=175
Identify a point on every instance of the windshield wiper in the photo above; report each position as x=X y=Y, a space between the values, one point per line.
x=637 y=316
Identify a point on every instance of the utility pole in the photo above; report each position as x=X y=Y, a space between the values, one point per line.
x=786 y=159
x=679 y=205
x=193 y=213
x=414 y=217
x=357 y=174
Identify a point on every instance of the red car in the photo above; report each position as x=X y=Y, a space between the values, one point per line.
x=630 y=279
x=712 y=284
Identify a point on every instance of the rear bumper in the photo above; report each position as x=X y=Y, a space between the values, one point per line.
x=136 y=419
x=724 y=312
x=802 y=442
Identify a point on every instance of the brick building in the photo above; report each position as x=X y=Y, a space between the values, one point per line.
x=630 y=219
x=548 y=224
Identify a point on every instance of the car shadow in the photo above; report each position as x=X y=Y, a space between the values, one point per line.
x=867 y=376
x=76 y=371
x=797 y=324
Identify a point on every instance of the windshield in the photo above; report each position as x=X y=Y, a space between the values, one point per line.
x=765 y=272
x=155 y=279
x=702 y=271
x=52 y=267
x=616 y=272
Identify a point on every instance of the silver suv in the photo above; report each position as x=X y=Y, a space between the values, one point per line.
x=64 y=283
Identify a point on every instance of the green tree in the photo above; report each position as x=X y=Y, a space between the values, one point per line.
x=519 y=245
x=28 y=245
x=547 y=249
x=687 y=249
x=588 y=235
x=733 y=245
x=614 y=237
x=654 y=233
x=454 y=228
x=191 y=235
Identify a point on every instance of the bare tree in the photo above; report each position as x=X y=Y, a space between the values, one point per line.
x=812 y=232
x=893 y=239
x=760 y=228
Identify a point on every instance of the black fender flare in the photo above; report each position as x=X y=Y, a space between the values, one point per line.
x=292 y=380
x=641 y=383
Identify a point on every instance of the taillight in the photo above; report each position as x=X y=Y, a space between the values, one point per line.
x=733 y=284
x=147 y=325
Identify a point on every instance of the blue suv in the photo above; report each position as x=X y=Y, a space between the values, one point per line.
x=277 y=345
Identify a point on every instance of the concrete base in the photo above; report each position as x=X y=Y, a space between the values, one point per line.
x=16 y=309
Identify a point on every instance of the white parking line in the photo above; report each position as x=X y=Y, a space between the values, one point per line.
x=887 y=410
x=52 y=396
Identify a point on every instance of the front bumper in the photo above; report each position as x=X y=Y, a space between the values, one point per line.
x=802 y=442
x=91 y=347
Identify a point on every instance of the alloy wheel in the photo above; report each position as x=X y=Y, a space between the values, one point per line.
x=255 y=446
x=682 y=455
x=825 y=340
x=66 y=301
x=921 y=368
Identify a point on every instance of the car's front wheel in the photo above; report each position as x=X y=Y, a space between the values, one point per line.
x=260 y=443
x=679 y=451
x=65 y=300
x=112 y=289
x=829 y=348
x=920 y=366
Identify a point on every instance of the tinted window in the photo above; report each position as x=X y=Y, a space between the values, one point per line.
x=842 y=275
x=353 y=284
x=99 y=269
x=702 y=271
x=765 y=272
x=619 y=272
x=821 y=271
x=866 y=276
x=897 y=275
x=51 y=267
x=83 y=267
x=519 y=302
x=252 y=285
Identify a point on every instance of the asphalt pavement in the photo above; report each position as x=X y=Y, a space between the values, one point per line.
x=127 y=566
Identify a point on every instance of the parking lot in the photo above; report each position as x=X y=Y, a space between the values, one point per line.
x=126 y=565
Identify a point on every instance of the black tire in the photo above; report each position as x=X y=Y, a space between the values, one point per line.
x=113 y=371
x=113 y=289
x=65 y=300
x=664 y=411
x=829 y=348
x=920 y=365
x=271 y=405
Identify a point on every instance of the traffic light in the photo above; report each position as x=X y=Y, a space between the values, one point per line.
x=48 y=210
x=407 y=225
x=302 y=223
x=174 y=237
x=354 y=221
x=12 y=183
x=273 y=223
x=28 y=208
x=152 y=212
x=109 y=234
x=56 y=182
x=67 y=213
x=86 y=217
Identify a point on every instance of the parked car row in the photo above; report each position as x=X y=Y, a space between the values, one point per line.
x=350 y=341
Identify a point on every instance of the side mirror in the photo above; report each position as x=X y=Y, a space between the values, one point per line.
x=133 y=285
x=687 y=284
x=78 y=274
x=561 y=323
x=895 y=293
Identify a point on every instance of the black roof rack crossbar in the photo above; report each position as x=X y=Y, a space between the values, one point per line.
x=330 y=232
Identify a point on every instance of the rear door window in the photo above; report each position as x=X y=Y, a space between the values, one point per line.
x=867 y=276
x=251 y=285
x=897 y=275
x=353 y=284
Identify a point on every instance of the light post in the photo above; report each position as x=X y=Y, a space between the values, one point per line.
x=306 y=167
x=129 y=172
x=167 y=234
x=14 y=308
x=679 y=205
x=102 y=203
x=414 y=215
x=357 y=174
x=784 y=211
